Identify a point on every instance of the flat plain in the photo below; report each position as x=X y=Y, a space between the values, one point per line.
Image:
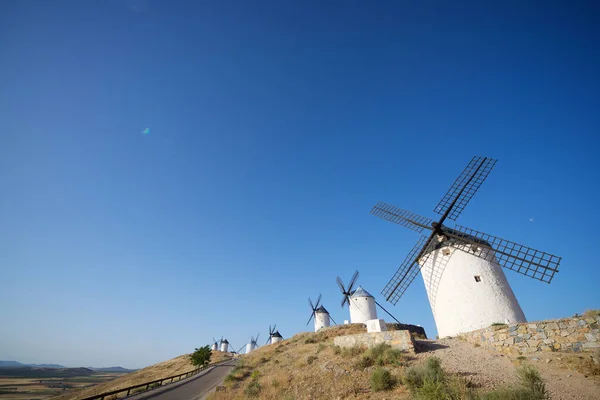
x=30 y=388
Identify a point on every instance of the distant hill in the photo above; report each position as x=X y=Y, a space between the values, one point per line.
x=26 y=371
x=16 y=364
x=112 y=369
x=11 y=364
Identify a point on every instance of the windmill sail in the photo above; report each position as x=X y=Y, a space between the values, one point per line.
x=465 y=186
x=402 y=217
x=521 y=259
x=406 y=273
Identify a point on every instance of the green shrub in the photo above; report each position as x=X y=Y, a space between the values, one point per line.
x=432 y=389
x=432 y=371
x=379 y=350
x=311 y=359
x=531 y=387
x=530 y=379
x=253 y=388
x=201 y=356
x=392 y=357
x=382 y=379
x=365 y=361
x=352 y=351
x=255 y=375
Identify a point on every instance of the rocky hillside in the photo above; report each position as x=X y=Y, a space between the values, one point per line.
x=310 y=366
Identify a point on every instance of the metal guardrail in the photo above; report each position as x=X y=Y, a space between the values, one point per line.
x=150 y=385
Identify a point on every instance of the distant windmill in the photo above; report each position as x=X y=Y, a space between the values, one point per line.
x=274 y=336
x=461 y=267
x=320 y=314
x=215 y=345
x=252 y=344
x=360 y=302
x=224 y=345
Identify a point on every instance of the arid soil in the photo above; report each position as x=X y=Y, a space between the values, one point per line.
x=491 y=369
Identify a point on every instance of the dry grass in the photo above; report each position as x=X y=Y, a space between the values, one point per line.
x=178 y=365
x=591 y=313
x=309 y=366
x=585 y=363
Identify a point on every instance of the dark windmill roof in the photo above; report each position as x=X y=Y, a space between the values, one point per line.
x=322 y=310
x=360 y=292
x=225 y=341
x=434 y=245
x=277 y=334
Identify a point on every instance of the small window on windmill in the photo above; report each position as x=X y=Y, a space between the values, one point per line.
x=446 y=251
x=474 y=248
x=477 y=278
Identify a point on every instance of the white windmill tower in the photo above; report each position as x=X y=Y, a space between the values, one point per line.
x=224 y=345
x=274 y=336
x=252 y=344
x=321 y=315
x=360 y=302
x=215 y=345
x=461 y=267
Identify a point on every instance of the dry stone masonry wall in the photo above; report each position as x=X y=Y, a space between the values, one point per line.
x=401 y=340
x=571 y=334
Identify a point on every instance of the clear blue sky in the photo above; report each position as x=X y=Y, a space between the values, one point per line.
x=274 y=128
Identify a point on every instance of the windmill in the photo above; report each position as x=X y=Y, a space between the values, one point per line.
x=461 y=267
x=224 y=345
x=360 y=302
x=271 y=332
x=320 y=314
x=215 y=345
x=252 y=344
x=274 y=335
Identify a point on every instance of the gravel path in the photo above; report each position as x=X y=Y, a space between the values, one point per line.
x=491 y=369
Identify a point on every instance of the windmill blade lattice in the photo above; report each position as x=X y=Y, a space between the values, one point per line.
x=465 y=186
x=407 y=271
x=521 y=259
x=402 y=217
x=313 y=307
x=347 y=292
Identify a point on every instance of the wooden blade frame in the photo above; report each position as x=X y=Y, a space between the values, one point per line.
x=479 y=168
x=407 y=271
x=402 y=217
x=521 y=259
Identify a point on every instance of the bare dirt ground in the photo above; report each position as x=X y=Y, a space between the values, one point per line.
x=490 y=369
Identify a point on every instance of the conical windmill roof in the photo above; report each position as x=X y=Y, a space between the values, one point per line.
x=360 y=292
x=277 y=334
x=225 y=341
x=322 y=310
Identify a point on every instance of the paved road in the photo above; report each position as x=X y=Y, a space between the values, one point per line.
x=193 y=388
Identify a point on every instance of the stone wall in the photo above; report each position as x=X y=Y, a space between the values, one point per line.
x=419 y=331
x=569 y=334
x=401 y=340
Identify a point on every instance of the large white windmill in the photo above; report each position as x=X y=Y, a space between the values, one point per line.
x=461 y=267
x=252 y=344
x=321 y=315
